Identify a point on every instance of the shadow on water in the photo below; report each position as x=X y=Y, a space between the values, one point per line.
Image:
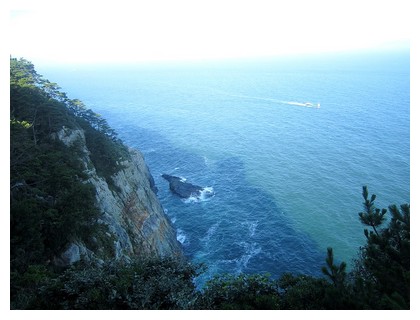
x=240 y=229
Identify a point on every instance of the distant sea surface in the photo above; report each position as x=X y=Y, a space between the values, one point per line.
x=285 y=144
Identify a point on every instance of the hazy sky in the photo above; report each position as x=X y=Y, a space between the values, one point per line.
x=108 y=31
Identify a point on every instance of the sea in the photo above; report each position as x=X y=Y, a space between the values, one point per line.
x=284 y=145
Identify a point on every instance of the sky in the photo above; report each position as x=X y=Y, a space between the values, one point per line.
x=136 y=31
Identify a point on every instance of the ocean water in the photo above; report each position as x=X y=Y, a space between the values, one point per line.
x=285 y=144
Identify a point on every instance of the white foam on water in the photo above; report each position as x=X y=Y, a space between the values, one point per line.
x=252 y=227
x=251 y=250
x=206 y=161
x=204 y=195
x=210 y=232
x=181 y=236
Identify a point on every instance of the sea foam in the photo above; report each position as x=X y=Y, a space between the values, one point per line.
x=204 y=195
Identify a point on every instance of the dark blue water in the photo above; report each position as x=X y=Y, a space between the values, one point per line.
x=287 y=175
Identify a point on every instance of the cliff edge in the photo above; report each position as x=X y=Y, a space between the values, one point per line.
x=76 y=191
x=129 y=207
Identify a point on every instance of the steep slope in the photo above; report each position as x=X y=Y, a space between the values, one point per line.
x=129 y=207
x=77 y=193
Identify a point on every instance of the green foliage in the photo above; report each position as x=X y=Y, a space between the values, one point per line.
x=22 y=73
x=106 y=154
x=50 y=202
x=142 y=284
x=48 y=195
x=35 y=91
x=372 y=216
x=25 y=286
x=49 y=198
x=39 y=109
x=240 y=292
x=337 y=274
x=384 y=267
x=303 y=292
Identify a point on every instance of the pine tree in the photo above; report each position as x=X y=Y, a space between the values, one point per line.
x=385 y=259
x=372 y=216
x=337 y=274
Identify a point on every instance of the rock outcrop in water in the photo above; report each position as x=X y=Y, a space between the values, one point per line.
x=130 y=209
x=185 y=189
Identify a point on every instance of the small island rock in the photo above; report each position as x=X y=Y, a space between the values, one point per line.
x=182 y=188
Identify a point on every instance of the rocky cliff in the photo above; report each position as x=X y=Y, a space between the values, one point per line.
x=130 y=208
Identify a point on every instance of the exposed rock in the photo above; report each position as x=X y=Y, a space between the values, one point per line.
x=185 y=189
x=75 y=252
x=70 y=136
x=131 y=208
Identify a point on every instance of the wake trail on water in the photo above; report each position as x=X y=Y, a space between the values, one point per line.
x=276 y=101
x=290 y=103
x=300 y=104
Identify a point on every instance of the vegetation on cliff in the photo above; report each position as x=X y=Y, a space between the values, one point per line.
x=51 y=205
x=50 y=202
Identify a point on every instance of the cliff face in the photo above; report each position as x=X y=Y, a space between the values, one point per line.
x=130 y=208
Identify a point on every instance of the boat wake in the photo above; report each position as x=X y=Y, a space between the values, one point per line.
x=290 y=103
x=300 y=104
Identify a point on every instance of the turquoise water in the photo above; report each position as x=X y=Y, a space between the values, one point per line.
x=287 y=175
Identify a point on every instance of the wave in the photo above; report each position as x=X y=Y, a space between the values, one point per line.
x=251 y=250
x=204 y=195
x=207 y=161
x=210 y=232
x=252 y=226
x=181 y=236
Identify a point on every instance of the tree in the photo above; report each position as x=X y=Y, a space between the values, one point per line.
x=337 y=274
x=243 y=291
x=22 y=73
x=144 y=283
x=51 y=203
x=372 y=216
x=384 y=265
